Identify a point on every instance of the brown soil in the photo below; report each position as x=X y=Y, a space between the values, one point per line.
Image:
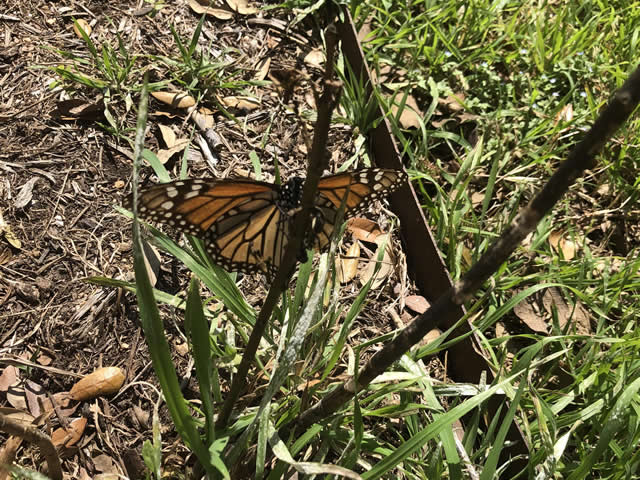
x=62 y=171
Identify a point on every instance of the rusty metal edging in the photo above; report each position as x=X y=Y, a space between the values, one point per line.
x=424 y=261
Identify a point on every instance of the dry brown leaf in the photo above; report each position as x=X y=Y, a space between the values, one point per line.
x=25 y=194
x=166 y=153
x=554 y=239
x=16 y=398
x=529 y=312
x=152 y=261
x=219 y=13
x=204 y=118
x=453 y=102
x=348 y=267
x=363 y=229
x=79 y=109
x=168 y=135
x=9 y=236
x=315 y=58
x=417 y=303
x=104 y=381
x=386 y=266
x=242 y=7
x=560 y=244
x=70 y=436
x=577 y=314
x=8 y=377
x=262 y=69
x=477 y=198
x=565 y=114
x=175 y=99
x=84 y=25
x=411 y=115
x=241 y=103
x=35 y=395
x=104 y=464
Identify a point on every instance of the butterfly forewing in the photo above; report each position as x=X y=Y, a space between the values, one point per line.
x=246 y=224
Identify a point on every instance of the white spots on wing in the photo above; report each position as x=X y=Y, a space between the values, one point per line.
x=172 y=192
x=168 y=205
x=191 y=194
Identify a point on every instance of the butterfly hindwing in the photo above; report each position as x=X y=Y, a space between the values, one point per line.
x=246 y=224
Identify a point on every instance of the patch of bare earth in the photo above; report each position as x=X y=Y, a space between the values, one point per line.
x=61 y=175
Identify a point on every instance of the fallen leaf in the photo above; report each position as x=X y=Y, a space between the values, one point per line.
x=152 y=261
x=348 y=265
x=411 y=116
x=315 y=58
x=16 y=398
x=219 y=13
x=168 y=135
x=69 y=436
x=79 y=109
x=241 y=103
x=166 y=153
x=560 y=244
x=25 y=194
x=576 y=314
x=35 y=394
x=477 y=198
x=363 y=229
x=262 y=69
x=8 y=377
x=104 y=381
x=9 y=236
x=175 y=99
x=528 y=310
x=417 y=303
x=242 y=7
x=386 y=265
x=84 y=25
x=565 y=114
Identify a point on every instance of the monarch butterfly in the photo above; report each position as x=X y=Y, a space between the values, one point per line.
x=246 y=224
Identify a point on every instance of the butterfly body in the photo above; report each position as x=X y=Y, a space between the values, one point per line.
x=246 y=224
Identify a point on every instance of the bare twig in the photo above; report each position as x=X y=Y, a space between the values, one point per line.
x=31 y=434
x=301 y=224
x=581 y=158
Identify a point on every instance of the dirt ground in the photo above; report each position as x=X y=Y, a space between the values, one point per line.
x=63 y=168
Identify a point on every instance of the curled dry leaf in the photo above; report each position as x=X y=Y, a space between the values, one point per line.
x=363 y=229
x=175 y=99
x=241 y=103
x=348 y=265
x=103 y=381
x=84 y=25
x=242 y=7
x=219 y=13
x=69 y=436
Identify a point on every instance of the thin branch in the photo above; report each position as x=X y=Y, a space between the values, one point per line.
x=33 y=435
x=581 y=158
x=301 y=224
